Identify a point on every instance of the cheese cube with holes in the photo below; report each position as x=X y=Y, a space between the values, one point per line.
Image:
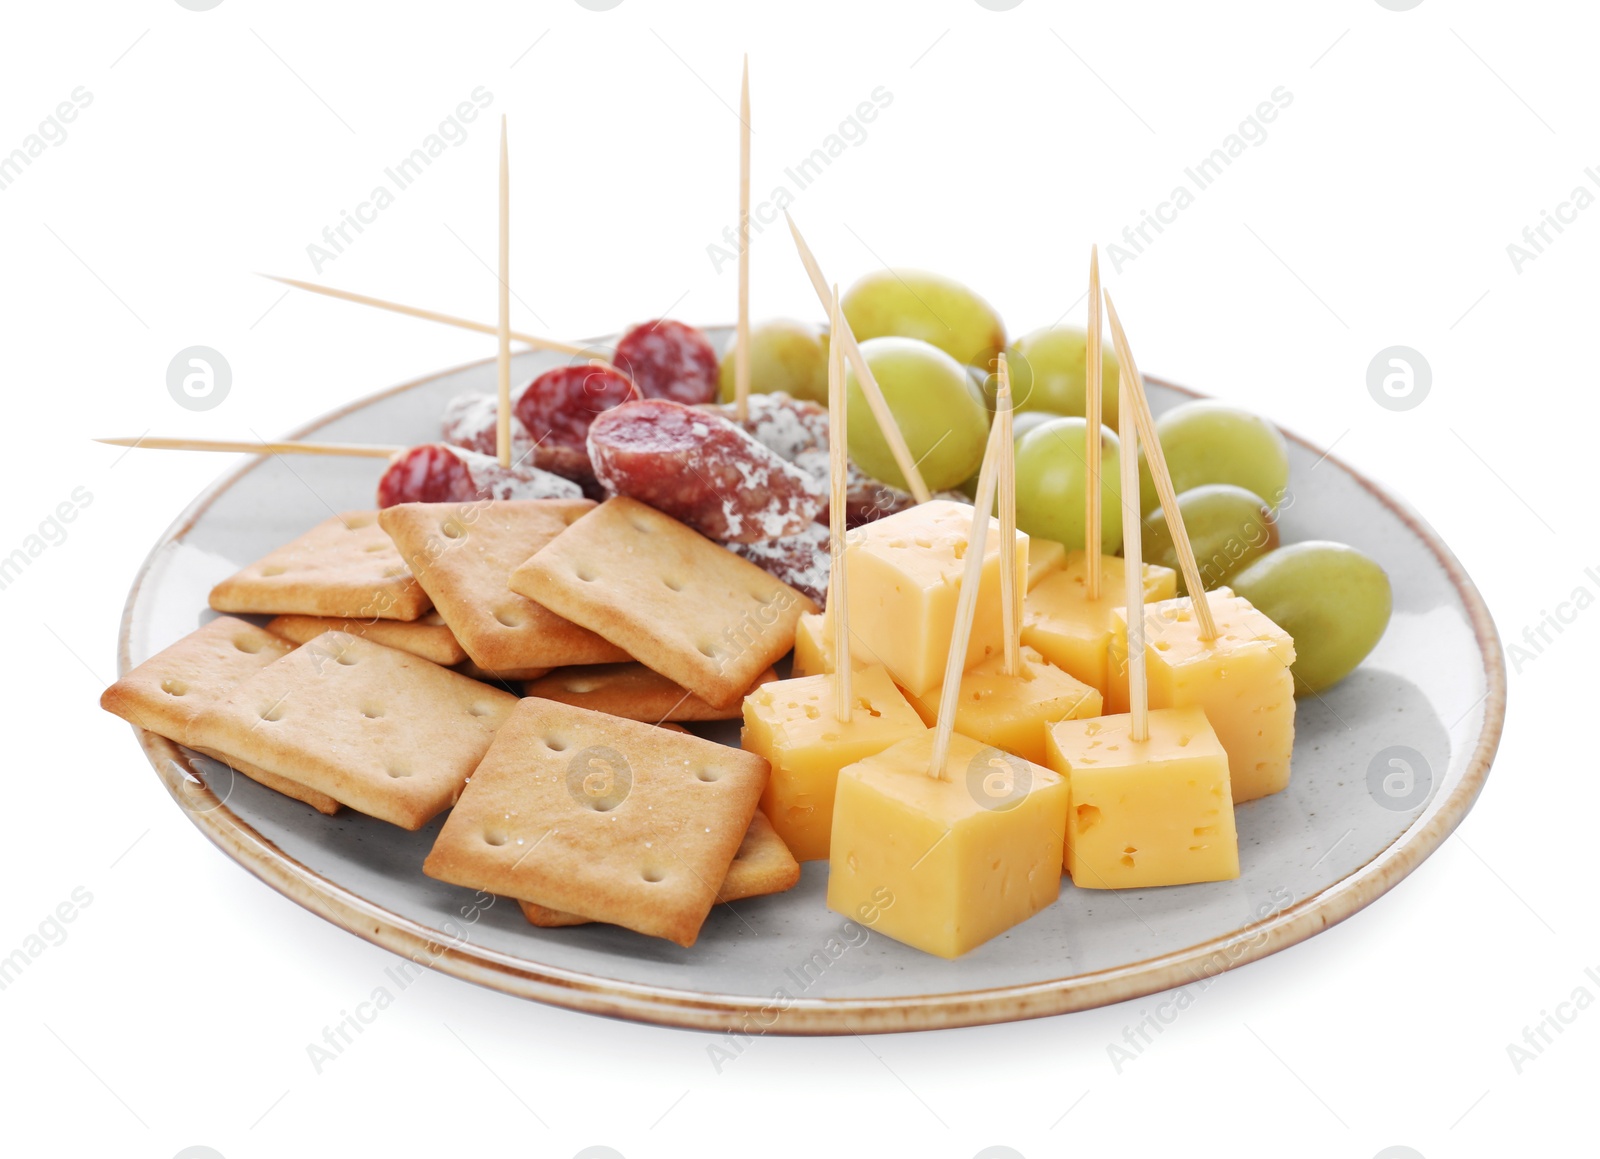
x=1241 y=679
x=1146 y=813
x=1012 y=712
x=792 y=724
x=905 y=578
x=945 y=864
x=1045 y=558
x=1072 y=631
x=813 y=646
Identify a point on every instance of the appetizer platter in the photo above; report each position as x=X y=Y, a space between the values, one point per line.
x=780 y=678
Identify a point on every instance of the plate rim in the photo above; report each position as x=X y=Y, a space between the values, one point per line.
x=750 y=1015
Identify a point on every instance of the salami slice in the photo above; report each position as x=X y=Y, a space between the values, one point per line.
x=470 y=421
x=800 y=560
x=669 y=360
x=790 y=427
x=557 y=407
x=702 y=469
x=436 y=473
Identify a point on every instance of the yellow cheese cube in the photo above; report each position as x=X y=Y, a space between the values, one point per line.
x=905 y=577
x=1241 y=679
x=813 y=646
x=1012 y=712
x=1143 y=813
x=1045 y=558
x=1072 y=631
x=946 y=864
x=811 y=651
x=792 y=724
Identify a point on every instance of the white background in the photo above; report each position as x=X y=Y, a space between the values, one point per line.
x=1377 y=212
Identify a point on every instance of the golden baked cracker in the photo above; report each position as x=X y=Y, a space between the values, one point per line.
x=617 y=820
x=680 y=604
x=462 y=555
x=633 y=691
x=428 y=636
x=345 y=566
x=506 y=680
x=167 y=691
x=321 y=802
x=380 y=730
x=762 y=865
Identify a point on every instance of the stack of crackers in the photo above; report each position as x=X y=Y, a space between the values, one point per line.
x=520 y=663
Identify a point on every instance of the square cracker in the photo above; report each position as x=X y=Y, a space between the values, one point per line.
x=380 y=730
x=167 y=691
x=428 y=636
x=682 y=605
x=504 y=679
x=463 y=553
x=762 y=865
x=345 y=566
x=619 y=821
x=633 y=691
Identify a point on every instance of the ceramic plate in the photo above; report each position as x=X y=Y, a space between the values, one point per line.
x=1386 y=764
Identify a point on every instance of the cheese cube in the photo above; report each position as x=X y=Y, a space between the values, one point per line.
x=811 y=651
x=792 y=724
x=946 y=864
x=1045 y=558
x=1144 y=813
x=1072 y=631
x=813 y=646
x=1241 y=679
x=1012 y=712
x=905 y=577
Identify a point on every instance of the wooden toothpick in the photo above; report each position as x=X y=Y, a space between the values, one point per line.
x=1093 y=384
x=502 y=437
x=838 y=485
x=869 y=384
x=741 y=349
x=966 y=606
x=1010 y=590
x=1132 y=396
x=249 y=447
x=1132 y=554
x=532 y=340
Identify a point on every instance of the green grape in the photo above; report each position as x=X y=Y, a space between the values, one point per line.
x=935 y=309
x=1024 y=421
x=785 y=356
x=1052 y=488
x=1229 y=528
x=1211 y=442
x=1332 y=599
x=1047 y=373
x=938 y=408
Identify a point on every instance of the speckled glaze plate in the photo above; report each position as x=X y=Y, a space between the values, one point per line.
x=1386 y=765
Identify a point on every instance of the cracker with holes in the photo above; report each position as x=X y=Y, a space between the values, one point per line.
x=633 y=691
x=682 y=605
x=506 y=678
x=167 y=691
x=609 y=819
x=346 y=566
x=462 y=555
x=762 y=865
x=428 y=636
x=380 y=730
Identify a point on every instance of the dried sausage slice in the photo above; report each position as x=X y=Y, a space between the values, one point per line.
x=669 y=360
x=436 y=473
x=801 y=560
x=702 y=469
